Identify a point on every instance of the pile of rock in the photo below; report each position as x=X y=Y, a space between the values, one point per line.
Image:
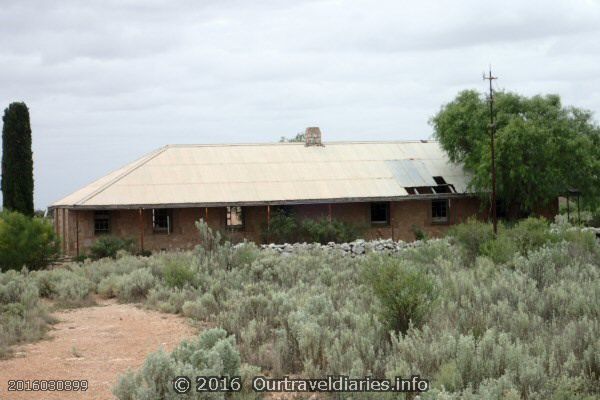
x=355 y=248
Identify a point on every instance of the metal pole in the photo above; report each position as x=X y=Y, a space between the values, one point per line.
x=492 y=134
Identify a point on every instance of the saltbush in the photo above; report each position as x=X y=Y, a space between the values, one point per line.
x=67 y=286
x=213 y=353
x=135 y=285
x=23 y=317
x=26 y=241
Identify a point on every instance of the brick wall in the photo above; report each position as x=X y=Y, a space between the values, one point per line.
x=128 y=223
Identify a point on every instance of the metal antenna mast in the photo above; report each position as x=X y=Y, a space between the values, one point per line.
x=492 y=126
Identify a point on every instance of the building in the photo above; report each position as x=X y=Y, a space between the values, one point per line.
x=388 y=186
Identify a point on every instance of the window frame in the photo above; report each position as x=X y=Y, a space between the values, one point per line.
x=440 y=220
x=106 y=214
x=242 y=223
x=169 y=219
x=385 y=222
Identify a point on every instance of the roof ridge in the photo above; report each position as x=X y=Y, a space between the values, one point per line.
x=424 y=141
x=135 y=165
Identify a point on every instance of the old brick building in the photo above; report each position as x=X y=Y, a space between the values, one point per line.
x=387 y=186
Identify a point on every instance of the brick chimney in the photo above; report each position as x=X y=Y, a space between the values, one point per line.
x=312 y=136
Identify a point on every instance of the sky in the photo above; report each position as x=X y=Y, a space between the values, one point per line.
x=109 y=81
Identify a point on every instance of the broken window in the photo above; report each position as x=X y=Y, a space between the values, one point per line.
x=439 y=210
x=439 y=180
x=235 y=217
x=101 y=222
x=380 y=213
x=162 y=220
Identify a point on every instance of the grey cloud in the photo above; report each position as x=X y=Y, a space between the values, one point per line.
x=108 y=81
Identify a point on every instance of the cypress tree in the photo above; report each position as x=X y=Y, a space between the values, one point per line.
x=17 y=160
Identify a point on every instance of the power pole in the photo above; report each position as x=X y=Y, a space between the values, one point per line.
x=490 y=78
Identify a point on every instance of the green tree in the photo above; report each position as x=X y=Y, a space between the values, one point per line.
x=17 y=160
x=542 y=148
x=25 y=241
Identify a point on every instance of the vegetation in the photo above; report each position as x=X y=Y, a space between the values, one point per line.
x=17 y=160
x=23 y=318
x=542 y=148
x=109 y=246
x=286 y=228
x=480 y=322
x=25 y=241
x=300 y=137
x=212 y=353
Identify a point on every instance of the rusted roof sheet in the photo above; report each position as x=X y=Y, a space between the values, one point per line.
x=270 y=173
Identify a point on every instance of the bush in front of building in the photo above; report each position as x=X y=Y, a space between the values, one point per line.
x=109 y=246
x=287 y=228
x=406 y=292
x=26 y=241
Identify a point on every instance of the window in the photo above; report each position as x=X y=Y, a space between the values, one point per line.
x=380 y=213
x=439 y=180
x=235 y=217
x=101 y=222
x=162 y=220
x=439 y=211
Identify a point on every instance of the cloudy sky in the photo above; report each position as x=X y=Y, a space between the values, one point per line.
x=108 y=81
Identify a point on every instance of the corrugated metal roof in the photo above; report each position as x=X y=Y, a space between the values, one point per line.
x=270 y=173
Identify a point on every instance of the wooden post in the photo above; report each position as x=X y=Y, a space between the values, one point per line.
x=392 y=219
x=141 y=220
x=76 y=231
x=206 y=214
x=330 y=216
x=64 y=235
x=568 y=210
x=268 y=215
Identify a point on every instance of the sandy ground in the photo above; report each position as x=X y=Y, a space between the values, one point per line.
x=94 y=343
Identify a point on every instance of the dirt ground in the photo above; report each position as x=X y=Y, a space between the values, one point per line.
x=94 y=343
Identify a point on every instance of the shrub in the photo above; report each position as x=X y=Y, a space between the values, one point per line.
x=419 y=233
x=471 y=236
x=177 y=274
x=109 y=246
x=282 y=228
x=530 y=234
x=406 y=293
x=68 y=287
x=213 y=353
x=135 y=285
x=324 y=231
x=26 y=241
x=22 y=317
x=501 y=250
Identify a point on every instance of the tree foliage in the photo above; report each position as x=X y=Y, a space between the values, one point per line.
x=542 y=147
x=17 y=160
x=25 y=241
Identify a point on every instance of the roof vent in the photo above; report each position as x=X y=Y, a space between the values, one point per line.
x=313 y=136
